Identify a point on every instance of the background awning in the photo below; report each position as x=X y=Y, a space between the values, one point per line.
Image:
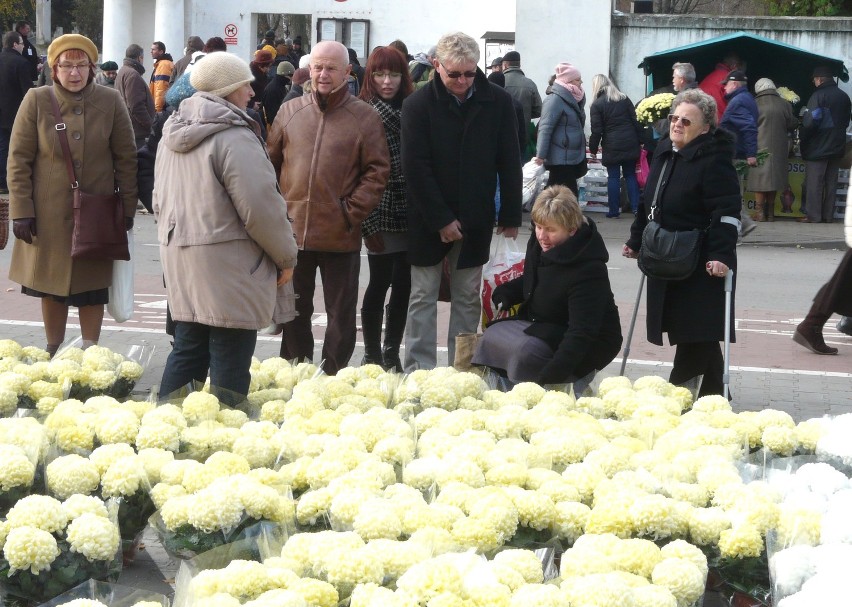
x=786 y=65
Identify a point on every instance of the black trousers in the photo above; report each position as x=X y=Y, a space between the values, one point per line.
x=565 y=174
x=391 y=271
x=702 y=358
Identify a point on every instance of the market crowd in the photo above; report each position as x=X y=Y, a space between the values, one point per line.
x=261 y=174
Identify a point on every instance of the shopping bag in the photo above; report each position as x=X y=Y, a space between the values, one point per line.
x=506 y=263
x=532 y=183
x=642 y=168
x=120 y=305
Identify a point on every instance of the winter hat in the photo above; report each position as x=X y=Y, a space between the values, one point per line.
x=297 y=40
x=271 y=49
x=764 y=84
x=285 y=68
x=68 y=42
x=269 y=34
x=220 y=74
x=262 y=58
x=109 y=66
x=301 y=75
x=305 y=61
x=512 y=57
x=823 y=71
x=565 y=72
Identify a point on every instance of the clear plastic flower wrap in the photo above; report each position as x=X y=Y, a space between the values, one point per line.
x=49 y=549
x=233 y=568
x=228 y=509
x=108 y=595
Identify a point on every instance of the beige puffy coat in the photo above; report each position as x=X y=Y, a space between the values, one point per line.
x=222 y=223
x=104 y=155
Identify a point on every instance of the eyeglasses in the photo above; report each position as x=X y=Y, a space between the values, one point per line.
x=65 y=67
x=673 y=118
x=457 y=75
x=383 y=75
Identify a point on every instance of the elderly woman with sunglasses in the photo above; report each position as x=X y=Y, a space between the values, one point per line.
x=692 y=185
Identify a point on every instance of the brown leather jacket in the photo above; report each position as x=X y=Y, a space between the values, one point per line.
x=332 y=163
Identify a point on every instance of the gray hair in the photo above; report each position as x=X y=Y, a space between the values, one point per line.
x=601 y=82
x=764 y=84
x=704 y=102
x=456 y=48
x=685 y=71
x=134 y=51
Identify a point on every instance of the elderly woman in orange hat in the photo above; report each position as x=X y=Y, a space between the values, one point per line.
x=103 y=155
x=259 y=69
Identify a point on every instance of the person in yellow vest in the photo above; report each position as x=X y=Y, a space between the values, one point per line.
x=162 y=74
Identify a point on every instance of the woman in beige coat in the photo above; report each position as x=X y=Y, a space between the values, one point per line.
x=104 y=157
x=226 y=243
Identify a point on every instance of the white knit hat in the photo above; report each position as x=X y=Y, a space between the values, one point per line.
x=220 y=74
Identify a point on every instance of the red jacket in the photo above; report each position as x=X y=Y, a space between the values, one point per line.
x=711 y=86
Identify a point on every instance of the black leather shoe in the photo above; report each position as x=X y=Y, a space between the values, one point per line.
x=845 y=325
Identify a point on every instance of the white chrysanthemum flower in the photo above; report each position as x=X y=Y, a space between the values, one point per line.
x=740 y=541
x=72 y=474
x=104 y=456
x=214 y=510
x=124 y=477
x=316 y=592
x=77 y=505
x=17 y=470
x=523 y=561
x=94 y=537
x=29 y=548
x=682 y=578
x=9 y=348
x=38 y=511
x=426 y=580
x=168 y=414
x=158 y=435
x=377 y=519
x=198 y=407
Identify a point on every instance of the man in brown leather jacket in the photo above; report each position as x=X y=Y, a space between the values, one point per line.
x=332 y=160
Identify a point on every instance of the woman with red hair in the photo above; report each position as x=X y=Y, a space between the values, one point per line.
x=386 y=84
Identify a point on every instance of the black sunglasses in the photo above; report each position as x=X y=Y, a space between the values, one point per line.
x=457 y=75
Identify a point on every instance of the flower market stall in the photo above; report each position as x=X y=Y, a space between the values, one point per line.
x=372 y=489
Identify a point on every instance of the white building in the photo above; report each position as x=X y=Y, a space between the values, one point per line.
x=548 y=31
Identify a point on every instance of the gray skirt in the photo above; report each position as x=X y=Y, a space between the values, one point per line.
x=504 y=345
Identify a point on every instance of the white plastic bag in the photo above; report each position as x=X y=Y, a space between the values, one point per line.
x=120 y=305
x=506 y=263
x=532 y=183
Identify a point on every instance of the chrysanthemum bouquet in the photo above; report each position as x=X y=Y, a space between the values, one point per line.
x=788 y=95
x=654 y=108
x=93 y=593
x=100 y=371
x=223 y=508
x=51 y=546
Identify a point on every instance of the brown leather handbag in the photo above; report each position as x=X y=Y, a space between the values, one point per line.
x=99 y=227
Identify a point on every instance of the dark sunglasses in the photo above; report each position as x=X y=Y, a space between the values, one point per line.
x=673 y=118
x=457 y=75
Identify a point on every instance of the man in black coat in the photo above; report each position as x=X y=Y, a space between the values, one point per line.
x=29 y=52
x=276 y=90
x=823 y=143
x=15 y=81
x=459 y=133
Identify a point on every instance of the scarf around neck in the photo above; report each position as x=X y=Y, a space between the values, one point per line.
x=576 y=91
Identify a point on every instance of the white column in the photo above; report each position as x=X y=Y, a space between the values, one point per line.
x=168 y=26
x=118 y=29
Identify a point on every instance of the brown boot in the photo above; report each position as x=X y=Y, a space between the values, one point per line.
x=769 y=206
x=757 y=215
x=809 y=334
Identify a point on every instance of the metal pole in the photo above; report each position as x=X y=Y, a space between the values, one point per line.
x=632 y=324
x=729 y=288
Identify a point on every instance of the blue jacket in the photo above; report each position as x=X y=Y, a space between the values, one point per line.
x=823 y=132
x=740 y=118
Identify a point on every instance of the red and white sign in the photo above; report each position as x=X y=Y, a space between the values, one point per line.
x=231 y=34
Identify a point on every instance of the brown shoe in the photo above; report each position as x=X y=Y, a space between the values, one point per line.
x=812 y=340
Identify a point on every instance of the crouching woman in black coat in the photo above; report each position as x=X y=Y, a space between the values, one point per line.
x=567 y=326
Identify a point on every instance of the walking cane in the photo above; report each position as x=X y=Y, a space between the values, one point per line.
x=726 y=375
x=632 y=324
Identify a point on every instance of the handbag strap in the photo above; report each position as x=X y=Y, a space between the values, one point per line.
x=657 y=190
x=63 y=139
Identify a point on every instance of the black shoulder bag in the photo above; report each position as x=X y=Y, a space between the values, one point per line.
x=668 y=254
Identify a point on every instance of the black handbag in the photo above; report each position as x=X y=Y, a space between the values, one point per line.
x=668 y=254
